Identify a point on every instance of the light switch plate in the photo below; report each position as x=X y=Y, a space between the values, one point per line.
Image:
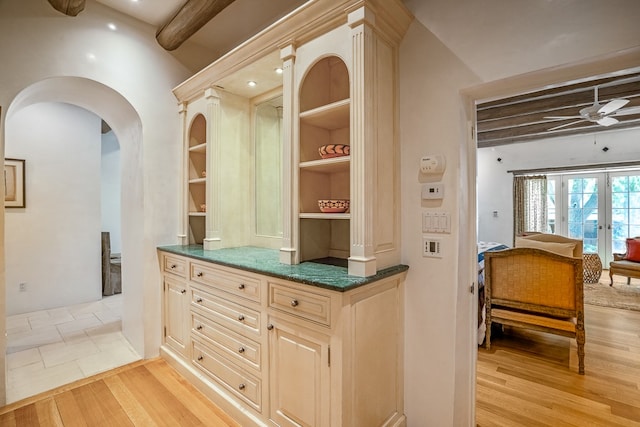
x=431 y=247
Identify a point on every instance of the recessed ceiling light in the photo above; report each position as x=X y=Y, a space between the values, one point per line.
x=251 y=83
x=278 y=70
x=112 y=26
x=91 y=57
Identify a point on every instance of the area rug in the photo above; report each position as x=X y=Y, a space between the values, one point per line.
x=620 y=295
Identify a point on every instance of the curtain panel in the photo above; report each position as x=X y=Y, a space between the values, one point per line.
x=529 y=204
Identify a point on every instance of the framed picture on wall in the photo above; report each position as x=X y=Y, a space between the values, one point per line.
x=14 y=183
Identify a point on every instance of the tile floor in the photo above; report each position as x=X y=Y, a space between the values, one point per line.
x=50 y=348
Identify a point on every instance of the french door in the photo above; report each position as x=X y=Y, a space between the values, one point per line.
x=602 y=209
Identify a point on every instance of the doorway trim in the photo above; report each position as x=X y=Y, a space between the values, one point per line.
x=616 y=63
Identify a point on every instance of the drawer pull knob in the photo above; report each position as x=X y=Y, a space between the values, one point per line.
x=199 y=300
x=241 y=286
x=294 y=303
x=199 y=327
x=184 y=291
x=200 y=357
x=241 y=387
x=199 y=274
x=241 y=317
x=241 y=350
x=173 y=266
x=270 y=327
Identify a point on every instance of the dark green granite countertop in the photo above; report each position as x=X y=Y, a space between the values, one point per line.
x=267 y=262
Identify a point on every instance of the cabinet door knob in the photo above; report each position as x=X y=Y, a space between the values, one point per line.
x=199 y=300
x=200 y=357
x=269 y=326
x=184 y=291
x=241 y=387
x=241 y=350
x=173 y=266
x=199 y=274
x=241 y=317
x=241 y=286
x=199 y=327
x=294 y=303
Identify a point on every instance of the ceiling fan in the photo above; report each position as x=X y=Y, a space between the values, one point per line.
x=604 y=115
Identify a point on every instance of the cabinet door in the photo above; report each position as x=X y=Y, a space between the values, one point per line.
x=176 y=315
x=299 y=375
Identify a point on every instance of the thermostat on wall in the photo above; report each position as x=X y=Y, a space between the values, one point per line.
x=432 y=164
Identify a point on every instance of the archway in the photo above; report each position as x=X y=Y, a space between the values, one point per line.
x=127 y=126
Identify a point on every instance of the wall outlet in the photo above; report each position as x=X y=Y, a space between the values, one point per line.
x=23 y=287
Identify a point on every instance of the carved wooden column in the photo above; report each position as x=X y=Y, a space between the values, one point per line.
x=213 y=237
x=183 y=231
x=363 y=139
x=288 y=253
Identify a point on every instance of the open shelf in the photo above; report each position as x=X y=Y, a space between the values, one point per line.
x=331 y=116
x=200 y=148
x=336 y=164
x=320 y=215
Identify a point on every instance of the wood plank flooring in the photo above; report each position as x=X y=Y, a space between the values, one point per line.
x=527 y=379
x=147 y=393
x=531 y=379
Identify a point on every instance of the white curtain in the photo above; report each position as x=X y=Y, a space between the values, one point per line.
x=529 y=204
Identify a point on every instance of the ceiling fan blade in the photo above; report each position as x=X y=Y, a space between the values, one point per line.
x=565 y=125
x=626 y=111
x=612 y=106
x=607 y=121
x=563 y=117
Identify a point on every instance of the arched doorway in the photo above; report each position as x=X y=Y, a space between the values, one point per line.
x=125 y=122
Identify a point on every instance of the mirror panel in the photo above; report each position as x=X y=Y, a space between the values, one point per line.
x=268 y=168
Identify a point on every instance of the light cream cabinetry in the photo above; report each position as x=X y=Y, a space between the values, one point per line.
x=339 y=78
x=324 y=121
x=196 y=179
x=300 y=375
x=175 y=303
x=271 y=351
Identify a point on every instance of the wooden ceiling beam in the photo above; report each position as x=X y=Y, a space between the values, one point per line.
x=538 y=117
x=68 y=7
x=540 y=131
x=574 y=99
x=192 y=16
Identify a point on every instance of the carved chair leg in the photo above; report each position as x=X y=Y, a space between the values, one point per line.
x=487 y=334
x=580 y=340
x=611 y=277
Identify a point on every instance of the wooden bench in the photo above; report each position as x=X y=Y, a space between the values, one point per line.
x=535 y=289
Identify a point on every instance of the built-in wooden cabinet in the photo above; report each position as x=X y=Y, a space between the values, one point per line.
x=300 y=375
x=338 y=83
x=287 y=353
x=324 y=121
x=175 y=303
x=196 y=179
x=275 y=351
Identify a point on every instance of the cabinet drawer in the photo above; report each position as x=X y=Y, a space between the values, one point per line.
x=234 y=316
x=239 y=383
x=307 y=305
x=231 y=344
x=174 y=265
x=243 y=286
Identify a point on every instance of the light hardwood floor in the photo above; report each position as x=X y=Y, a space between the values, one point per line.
x=527 y=379
x=531 y=379
x=146 y=393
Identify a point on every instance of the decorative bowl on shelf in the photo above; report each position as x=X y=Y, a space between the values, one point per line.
x=333 y=205
x=334 y=150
